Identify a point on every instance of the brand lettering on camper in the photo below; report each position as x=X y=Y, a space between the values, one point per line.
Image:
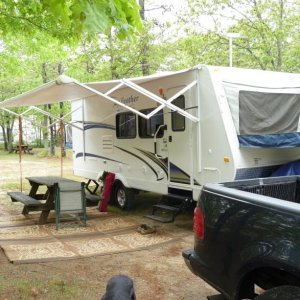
x=129 y=99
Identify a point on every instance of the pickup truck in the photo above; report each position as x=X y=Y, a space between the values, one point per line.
x=247 y=238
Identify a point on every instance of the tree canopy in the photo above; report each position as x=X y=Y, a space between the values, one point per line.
x=44 y=38
x=67 y=19
x=268 y=30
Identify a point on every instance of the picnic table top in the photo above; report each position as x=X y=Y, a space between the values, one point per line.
x=48 y=180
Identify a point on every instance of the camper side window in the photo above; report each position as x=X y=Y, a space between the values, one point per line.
x=147 y=128
x=126 y=125
x=178 y=120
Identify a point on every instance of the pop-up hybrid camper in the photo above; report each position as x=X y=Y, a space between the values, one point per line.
x=170 y=133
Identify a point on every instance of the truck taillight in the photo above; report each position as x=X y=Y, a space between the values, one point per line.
x=199 y=223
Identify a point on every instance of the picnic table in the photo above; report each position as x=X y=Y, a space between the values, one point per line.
x=24 y=148
x=36 y=201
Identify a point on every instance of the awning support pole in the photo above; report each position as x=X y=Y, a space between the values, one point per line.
x=20 y=152
x=62 y=148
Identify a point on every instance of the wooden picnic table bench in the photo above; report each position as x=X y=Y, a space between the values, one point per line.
x=34 y=201
x=30 y=204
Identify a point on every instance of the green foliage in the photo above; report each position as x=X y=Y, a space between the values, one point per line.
x=42 y=153
x=69 y=19
x=269 y=30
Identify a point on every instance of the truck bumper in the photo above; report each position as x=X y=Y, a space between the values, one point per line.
x=195 y=263
x=198 y=267
x=187 y=255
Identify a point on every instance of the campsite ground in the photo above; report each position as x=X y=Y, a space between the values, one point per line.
x=158 y=272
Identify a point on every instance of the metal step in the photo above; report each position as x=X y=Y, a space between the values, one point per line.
x=216 y=297
x=177 y=197
x=159 y=218
x=165 y=208
x=163 y=213
x=92 y=199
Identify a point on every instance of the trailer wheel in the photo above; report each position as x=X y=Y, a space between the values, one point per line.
x=123 y=196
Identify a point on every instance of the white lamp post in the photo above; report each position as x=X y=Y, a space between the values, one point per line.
x=230 y=36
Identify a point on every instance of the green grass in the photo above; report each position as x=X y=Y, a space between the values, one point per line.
x=37 y=153
x=4 y=155
x=56 y=288
x=15 y=185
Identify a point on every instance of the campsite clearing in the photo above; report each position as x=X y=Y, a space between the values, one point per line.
x=158 y=272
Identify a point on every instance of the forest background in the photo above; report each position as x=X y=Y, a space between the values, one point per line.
x=110 y=39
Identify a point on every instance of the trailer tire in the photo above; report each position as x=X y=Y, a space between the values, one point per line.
x=122 y=196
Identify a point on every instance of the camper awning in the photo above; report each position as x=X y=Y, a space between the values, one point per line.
x=62 y=89
x=69 y=89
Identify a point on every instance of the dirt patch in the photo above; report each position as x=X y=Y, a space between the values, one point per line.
x=158 y=273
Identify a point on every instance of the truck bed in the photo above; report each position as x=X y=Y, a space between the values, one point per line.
x=284 y=188
x=270 y=192
x=247 y=234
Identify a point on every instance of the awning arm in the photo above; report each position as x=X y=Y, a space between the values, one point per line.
x=25 y=118
x=69 y=113
x=26 y=111
x=189 y=86
x=9 y=111
x=114 y=88
x=53 y=116
x=64 y=116
x=159 y=100
x=113 y=100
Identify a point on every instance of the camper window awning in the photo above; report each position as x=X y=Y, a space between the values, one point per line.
x=69 y=89
x=265 y=117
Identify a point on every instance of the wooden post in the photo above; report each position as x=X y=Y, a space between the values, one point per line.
x=20 y=151
x=62 y=146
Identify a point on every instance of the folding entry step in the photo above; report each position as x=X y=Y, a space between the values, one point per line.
x=92 y=199
x=165 y=212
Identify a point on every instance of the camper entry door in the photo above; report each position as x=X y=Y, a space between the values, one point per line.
x=179 y=143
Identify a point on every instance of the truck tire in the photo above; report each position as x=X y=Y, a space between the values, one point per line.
x=123 y=196
x=284 y=292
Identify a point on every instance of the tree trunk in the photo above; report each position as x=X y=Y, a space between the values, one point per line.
x=7 y=126
x=280 y=38
x=60 y=71
x=113 y=67
x=145 y=43
x=4 y=138
x=9 y=136
x=45 y=131
x=52 y=149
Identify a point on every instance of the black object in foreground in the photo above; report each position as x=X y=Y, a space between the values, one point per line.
x=119 y=287
x=247 y=235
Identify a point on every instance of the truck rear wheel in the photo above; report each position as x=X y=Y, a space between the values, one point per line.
x=284 y=292
x=123 y=196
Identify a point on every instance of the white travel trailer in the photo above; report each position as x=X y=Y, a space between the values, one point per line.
x=171 y=133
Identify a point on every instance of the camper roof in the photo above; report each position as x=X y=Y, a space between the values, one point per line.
x=256 y=78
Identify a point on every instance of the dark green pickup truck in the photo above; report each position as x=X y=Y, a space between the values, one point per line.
x=247 y=238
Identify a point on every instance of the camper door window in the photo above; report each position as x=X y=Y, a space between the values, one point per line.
x=126 y=125
x=147 y=128
x=178 y=120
